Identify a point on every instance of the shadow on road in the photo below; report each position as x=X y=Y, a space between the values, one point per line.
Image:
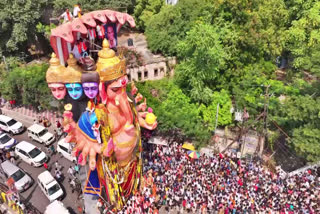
x=71 y=211
x=28 y=198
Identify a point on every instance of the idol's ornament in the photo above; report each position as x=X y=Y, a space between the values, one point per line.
x=55 y=78
x=108 y=131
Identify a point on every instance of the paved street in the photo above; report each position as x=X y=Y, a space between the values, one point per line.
x=34 y=193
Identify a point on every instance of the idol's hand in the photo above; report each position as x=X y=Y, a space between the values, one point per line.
x=83 y=144
x=144 y=124
x=142 y=106
x=134 y=89
x=138 y=98
x=109 y=149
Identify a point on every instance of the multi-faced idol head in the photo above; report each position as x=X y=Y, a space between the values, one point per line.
x=90 y=84
x=74 y=90
x=58 y=90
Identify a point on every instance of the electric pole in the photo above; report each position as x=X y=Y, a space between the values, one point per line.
x=265 y=119
x=217 y=115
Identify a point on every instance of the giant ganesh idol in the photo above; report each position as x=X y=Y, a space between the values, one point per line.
x=108 y=132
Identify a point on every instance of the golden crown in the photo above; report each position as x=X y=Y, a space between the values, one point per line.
x=109 y=66
x=73 y=71
x=55 y=72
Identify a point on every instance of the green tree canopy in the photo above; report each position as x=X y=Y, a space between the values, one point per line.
x=224 y=116
x=165 y=29
x=306 y=142
x=176 y=114
x=144 y=10
x=17 y=24
x=204 y=62
x=303 y=40
x=91 y=5
x=27 y=85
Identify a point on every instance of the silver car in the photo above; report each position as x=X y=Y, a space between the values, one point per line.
x=22 y=180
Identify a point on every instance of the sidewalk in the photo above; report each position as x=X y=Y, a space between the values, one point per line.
x=27 y=116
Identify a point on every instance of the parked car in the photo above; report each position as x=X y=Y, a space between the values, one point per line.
x=7 y=142
x=41 y=134
x=65 y=149
x=49 y=186
x=22 y=180
x=56 y=207
x=10 y=125
x=30 y=154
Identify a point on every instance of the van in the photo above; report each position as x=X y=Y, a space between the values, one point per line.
x=40 y=134
x=10 y=125
x=65 y=149
x=30 y=154
x=22 y=180
x=49 y=186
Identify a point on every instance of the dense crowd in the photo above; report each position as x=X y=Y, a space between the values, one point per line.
x=220 y=184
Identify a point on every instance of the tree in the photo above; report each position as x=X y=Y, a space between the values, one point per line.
x=178 y=113
x=144 y=10
x=306 y=142
x=165 y=29
x=303 y=36
x=17 y=21
x=91 y=5
x=177 y=116
x=202 y=69
x=27 y=85
x=209 y=113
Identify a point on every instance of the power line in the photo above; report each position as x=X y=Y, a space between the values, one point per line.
x=282 y=147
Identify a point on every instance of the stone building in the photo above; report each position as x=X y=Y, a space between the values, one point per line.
x=153 y=66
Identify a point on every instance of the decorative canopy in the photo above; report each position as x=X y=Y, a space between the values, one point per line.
x=63 y=36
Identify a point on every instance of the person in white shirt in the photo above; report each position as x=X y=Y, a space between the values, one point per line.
x=77 y=10
x=67 y=16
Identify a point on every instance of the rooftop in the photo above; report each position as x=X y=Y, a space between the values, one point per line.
x=46 y=177
x=140 y=46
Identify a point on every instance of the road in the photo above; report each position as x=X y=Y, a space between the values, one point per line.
x=34 y=193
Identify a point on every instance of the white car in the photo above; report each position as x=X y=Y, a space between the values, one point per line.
x=22 y=180
x=6 y=142
x=49 y=186
x=56 y=207
x=10 y=125
x=30 y=154
x=65 y=149
x=40 y=133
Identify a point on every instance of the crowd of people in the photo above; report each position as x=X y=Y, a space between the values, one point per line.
x=220 y=184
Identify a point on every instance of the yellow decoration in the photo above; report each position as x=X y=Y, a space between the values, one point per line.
x=55 y=71
x=150 y=118
x=68 y=107
x=188 y=146
x=3 y=195
x=109 y=66
x=73 y=71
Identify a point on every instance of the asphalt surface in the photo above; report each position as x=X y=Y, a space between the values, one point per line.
x=34 y=194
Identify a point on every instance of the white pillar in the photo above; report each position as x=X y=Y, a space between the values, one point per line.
x=60 y=51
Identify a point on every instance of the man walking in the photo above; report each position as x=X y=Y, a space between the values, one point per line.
x=58 y=166
x=71 y=172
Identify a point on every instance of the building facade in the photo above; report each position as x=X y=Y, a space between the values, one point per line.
x=154 y=66
x=152 y=71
